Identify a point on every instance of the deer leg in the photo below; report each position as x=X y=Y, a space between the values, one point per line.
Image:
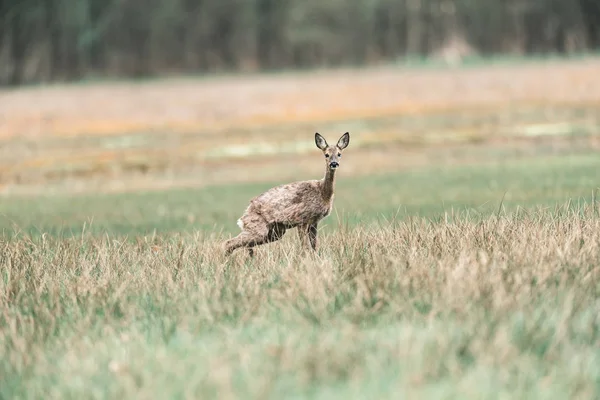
x=308 y=235
x=276 y=232
x=312 y=235
x=303 y=235
x=244 y=239
x=258 y=235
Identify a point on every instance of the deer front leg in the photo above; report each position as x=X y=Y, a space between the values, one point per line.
x=308 y=235
x=303 y=235
x=312 y=235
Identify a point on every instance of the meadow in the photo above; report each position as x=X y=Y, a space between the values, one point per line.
x=462 y=258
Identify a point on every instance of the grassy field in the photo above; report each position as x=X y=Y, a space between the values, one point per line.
x=472 y=190
x=462 y=259
x=506 y=307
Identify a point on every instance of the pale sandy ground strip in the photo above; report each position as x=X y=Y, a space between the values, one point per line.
x=190 y=104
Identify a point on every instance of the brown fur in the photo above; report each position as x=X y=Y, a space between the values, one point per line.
x=298 y=204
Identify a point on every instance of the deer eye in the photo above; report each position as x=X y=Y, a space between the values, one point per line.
x=326 y=155
x=339 y=154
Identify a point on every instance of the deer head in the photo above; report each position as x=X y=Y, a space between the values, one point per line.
x=332 y=154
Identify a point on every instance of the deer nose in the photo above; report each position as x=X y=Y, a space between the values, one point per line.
x=334 y=164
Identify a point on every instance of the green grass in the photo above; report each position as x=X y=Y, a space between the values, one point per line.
x=404 y=299
x=427 y=192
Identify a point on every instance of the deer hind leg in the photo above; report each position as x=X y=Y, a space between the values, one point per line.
x=255 y=235
x=274 y=233
x=244 y=239
x=254 y=231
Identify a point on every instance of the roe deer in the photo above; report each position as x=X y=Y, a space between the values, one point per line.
x=298 y=204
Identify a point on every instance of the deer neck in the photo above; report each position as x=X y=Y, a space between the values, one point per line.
x=328 y=184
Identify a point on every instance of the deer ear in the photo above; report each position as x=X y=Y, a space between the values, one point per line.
x=344 y=141
x=320 y=141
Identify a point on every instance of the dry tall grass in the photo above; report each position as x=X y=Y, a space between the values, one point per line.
x=505 y=307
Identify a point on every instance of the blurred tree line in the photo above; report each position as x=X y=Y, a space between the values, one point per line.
x=43 y=40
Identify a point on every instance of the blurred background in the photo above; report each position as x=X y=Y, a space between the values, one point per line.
x=65 y=39
x=199 y=104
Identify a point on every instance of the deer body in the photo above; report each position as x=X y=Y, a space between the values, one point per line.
x=298 y=204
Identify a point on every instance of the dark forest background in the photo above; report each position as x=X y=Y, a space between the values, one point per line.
x=48 y=40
